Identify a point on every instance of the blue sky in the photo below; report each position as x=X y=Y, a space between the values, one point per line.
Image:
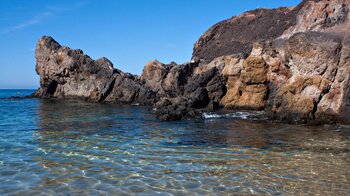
x=128 y=32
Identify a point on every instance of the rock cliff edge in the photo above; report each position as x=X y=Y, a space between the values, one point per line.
x=292 y=62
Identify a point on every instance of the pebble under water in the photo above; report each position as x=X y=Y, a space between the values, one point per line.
x=73 y=147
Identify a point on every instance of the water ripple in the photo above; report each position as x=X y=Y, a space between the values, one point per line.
x=50 y=147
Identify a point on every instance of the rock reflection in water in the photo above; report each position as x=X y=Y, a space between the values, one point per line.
x=296 y=159
x=93 y=148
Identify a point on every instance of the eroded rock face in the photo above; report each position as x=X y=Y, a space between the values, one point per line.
x=175 y=91
x=70 y=73
x=299 y=75
x=65 y=72
x=294 y=63
x=184 y=90
x=313 y=59
x=305 y=80
x=247 y=88
x=323 y=16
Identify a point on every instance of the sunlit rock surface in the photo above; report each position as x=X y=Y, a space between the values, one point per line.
x=294 y=63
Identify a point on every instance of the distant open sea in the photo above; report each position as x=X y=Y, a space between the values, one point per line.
x=71 y=147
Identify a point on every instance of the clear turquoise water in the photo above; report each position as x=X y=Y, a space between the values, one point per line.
x=80 y=148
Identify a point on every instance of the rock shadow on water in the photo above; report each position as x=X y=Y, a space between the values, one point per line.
x=261 y=134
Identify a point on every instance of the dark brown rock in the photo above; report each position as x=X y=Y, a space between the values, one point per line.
x=70 y=73
x=292 y=62
x=238 y=34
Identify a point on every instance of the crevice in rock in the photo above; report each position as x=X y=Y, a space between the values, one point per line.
x=314 y=110
x=108 y=91
x=51 y=88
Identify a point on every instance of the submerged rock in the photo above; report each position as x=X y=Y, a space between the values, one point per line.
x=293 y=63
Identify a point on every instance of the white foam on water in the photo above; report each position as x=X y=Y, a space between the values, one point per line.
x=241 y=115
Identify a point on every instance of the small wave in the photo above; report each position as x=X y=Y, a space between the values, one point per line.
x=241 y=115
x=15 y=94
x=11 y=98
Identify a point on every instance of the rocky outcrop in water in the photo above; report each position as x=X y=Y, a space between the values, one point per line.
x=293 y=63
x=70 y=73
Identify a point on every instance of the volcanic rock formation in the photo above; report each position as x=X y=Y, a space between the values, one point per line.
x=294 y=63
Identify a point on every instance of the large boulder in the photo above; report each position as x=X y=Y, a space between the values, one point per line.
x=70 y=73
x=247 y=82
x=65 y=72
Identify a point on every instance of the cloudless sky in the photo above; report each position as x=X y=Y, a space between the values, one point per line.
x=128 y=32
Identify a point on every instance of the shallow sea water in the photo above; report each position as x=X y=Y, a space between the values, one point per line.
x=80 y=148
